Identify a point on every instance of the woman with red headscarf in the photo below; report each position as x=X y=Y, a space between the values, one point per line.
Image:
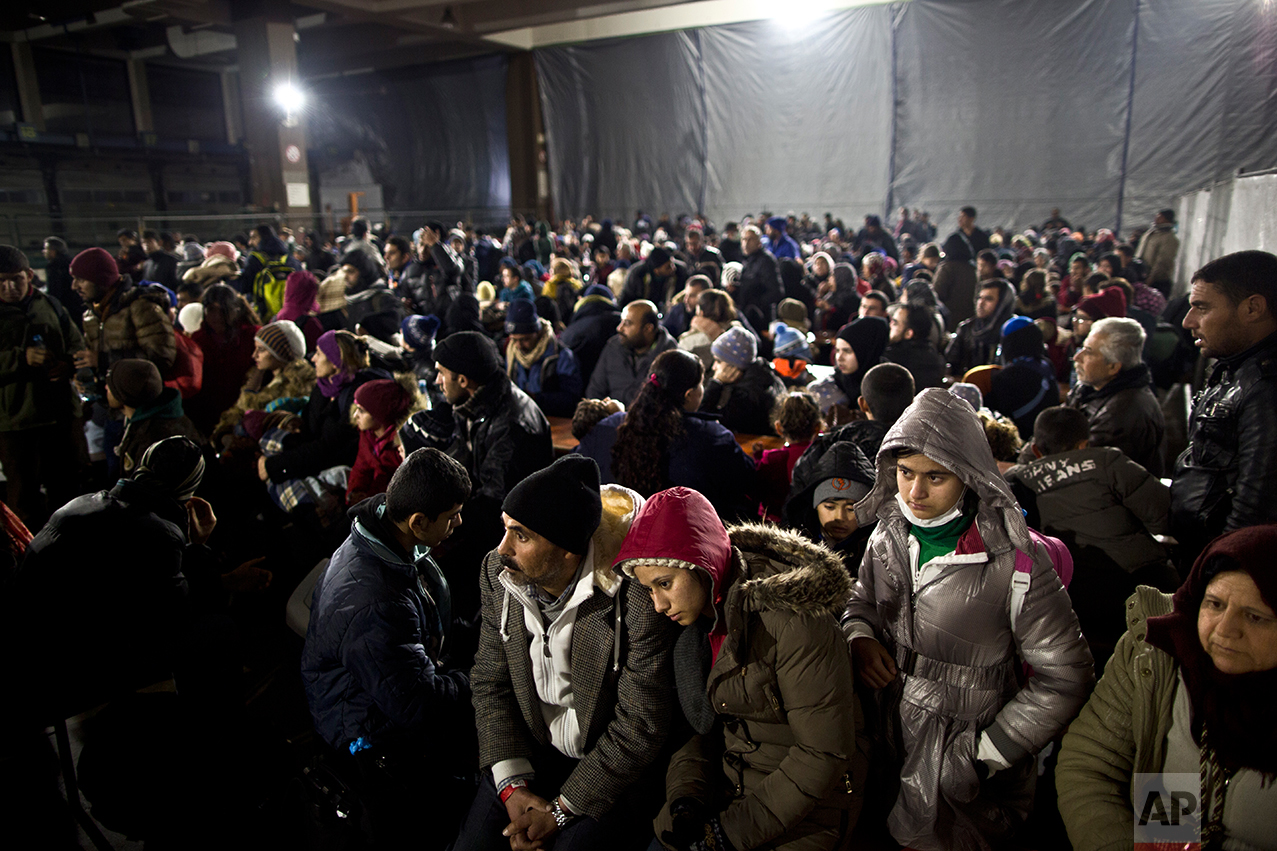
x=301 y=305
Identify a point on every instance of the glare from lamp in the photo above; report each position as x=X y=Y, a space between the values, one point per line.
x=800 y=14
x=289 y=97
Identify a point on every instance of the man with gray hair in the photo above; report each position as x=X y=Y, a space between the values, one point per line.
x=1114 y=389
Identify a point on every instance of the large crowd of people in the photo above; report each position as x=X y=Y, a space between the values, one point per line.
x=861 y=538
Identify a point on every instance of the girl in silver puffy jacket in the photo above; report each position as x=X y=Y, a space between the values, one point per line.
x=940 y=621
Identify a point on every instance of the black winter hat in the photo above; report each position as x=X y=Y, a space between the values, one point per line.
x=560 y=503
x=657 y=258
x=135 y=382
x=469 y=353
x=521 y=317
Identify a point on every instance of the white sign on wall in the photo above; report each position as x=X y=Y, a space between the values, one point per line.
x=298 y=194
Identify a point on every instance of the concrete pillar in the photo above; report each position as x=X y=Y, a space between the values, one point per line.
x=525 y=136
x=276 y=147
x=49 y=173
x=28 y=86
x=155 y=168
x=140 y=95
x=231 y=110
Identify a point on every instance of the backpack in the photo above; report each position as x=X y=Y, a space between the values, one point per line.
x=1061 y=560
x=268 y=285
x=187 y=373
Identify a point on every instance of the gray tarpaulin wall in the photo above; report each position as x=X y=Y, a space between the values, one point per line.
x=1231 y=215
x=723 y=119
x=1014 y=107
x=434 y=136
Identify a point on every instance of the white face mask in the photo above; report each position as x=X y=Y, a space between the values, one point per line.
x=948 y=517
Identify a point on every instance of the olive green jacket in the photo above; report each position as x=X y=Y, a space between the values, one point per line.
x=1121 y=732
x=28 y=399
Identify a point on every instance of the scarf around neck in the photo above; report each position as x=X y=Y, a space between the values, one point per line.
x=1236 y=708
x=331 y=385
x=515 y=355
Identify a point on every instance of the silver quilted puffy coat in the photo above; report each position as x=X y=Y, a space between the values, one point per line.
x=958 y=656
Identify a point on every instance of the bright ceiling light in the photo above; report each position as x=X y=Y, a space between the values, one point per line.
x=289 y=97
x=800 y=14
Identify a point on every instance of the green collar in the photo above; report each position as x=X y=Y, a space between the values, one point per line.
x=940 y=540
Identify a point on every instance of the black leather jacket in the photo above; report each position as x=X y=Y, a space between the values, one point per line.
x=500 y=437
x=433 y=283
x=1124 y=413
x=1227 y=477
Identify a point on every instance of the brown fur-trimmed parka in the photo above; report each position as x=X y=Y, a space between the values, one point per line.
x=790 y=735
x=295 y=379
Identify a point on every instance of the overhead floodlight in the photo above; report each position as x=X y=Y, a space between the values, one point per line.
x=289 y=97
x=800 y=14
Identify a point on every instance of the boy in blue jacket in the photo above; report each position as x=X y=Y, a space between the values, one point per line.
x=383 y=678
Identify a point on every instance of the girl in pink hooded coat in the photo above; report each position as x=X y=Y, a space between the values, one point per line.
x=763 y=678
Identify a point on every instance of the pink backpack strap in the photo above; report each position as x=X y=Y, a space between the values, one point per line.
x=1061 y=560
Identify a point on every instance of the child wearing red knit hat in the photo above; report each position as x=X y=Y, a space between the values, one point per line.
x=380 y=408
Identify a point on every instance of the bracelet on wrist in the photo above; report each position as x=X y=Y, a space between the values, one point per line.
x=561 y=815
x=506 y=792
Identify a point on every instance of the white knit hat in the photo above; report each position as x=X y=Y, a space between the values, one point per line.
x=284 y=340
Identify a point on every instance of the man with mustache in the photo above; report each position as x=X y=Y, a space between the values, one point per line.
x=573 y=692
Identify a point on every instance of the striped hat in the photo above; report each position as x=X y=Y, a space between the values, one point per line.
x=731 y=273
x=174 y=466
x=283 y=340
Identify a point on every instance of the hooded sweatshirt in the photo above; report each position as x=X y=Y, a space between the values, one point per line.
x=550 y=625
x=867 y=337
x=949 y=622
x=977 y=339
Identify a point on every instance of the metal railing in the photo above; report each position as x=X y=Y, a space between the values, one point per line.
x=28 y=231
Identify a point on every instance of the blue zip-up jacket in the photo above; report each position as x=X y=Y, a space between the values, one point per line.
x=371 y=664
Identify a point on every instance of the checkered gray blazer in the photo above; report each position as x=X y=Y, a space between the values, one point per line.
x=625 y=710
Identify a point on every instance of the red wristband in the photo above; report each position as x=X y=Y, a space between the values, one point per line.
x=509 y=789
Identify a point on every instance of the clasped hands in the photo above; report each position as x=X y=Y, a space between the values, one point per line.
x=531 y=820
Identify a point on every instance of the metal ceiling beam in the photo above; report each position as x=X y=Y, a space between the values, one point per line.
x=395 y=57
x=360 y=10
x=703 y=13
